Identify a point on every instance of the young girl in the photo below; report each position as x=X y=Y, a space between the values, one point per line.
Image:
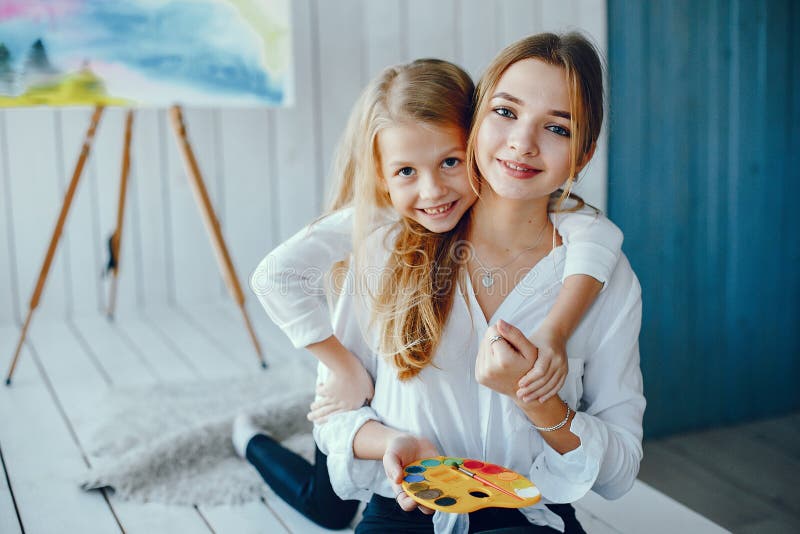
x=538 y=117
x=408 y=134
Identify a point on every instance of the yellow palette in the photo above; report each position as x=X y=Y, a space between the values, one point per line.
x=461 y=485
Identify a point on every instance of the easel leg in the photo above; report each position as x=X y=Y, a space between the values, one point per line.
x=116 y=238
x=62 y=217
x=212 y=224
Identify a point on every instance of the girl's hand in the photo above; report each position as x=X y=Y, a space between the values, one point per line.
x=550 y=370
x=401 y=451
x=341 y=393
x=501 y=364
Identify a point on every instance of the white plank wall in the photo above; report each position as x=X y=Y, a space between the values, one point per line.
x=265 y=169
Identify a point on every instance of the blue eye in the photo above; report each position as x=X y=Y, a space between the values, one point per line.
x=505 y=112
x=406 y=172
x=558 y=130
x=450 y=163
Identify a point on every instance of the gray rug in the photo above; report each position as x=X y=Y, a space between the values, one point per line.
x=171 y=443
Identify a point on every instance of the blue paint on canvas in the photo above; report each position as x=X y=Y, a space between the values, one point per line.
x=189 y=49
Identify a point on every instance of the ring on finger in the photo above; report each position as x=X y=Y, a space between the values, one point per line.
x=494 y=338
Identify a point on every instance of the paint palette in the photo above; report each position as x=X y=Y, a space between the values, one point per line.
x=460 y=485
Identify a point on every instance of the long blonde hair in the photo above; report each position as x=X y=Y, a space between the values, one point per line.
x=409 y=308
x=584 y=70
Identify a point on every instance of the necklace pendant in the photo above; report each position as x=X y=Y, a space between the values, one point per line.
x=487 y=280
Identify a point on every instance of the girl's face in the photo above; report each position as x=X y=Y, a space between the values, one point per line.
x=523 y=141
x=422 y=167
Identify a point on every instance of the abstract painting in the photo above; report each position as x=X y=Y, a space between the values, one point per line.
x=145 y=53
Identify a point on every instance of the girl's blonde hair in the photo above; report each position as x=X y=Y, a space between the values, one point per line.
x=584 y=71
x=408 y=308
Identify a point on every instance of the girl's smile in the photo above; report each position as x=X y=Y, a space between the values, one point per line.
x=423 y=169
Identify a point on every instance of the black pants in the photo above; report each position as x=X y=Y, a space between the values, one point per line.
x=384 y=515
x=305 y=487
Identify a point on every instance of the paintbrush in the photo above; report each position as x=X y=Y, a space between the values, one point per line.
x=486 y=482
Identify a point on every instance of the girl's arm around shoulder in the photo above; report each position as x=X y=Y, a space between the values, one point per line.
x=592 y=249
x=608 y=419
x=593 y=242
x=290 y=281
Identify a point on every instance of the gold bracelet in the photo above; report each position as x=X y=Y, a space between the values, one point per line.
x=556 y=426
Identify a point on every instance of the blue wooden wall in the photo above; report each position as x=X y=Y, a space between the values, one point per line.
x=703 y=179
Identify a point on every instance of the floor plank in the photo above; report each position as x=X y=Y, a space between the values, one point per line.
x=770 y=526
x=9 y=521
x=293 y=520
x=42 y=455
x=275 y=344
x=592 y=523
x=164 y=357
x=227 y=335
x=251 y=518
x=744 y=463
x=644 y=509
x=778 y=434
x=211 y=361
x=693 y=485
x=123 y=365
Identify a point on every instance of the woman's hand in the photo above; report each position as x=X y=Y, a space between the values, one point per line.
x=501 y=364
x=548 y=374
x=342 y=392
x=401 y=451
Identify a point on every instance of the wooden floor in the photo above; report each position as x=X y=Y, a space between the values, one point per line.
x=67 y=367
x=744 y=478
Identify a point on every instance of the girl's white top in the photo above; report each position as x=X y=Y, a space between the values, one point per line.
x=444 y=403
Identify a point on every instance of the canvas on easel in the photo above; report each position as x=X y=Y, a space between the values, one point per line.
x=144 y=53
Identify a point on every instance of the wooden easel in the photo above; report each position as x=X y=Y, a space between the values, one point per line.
x=201 y=197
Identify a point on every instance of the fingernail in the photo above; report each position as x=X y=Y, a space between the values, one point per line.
x=501 y=323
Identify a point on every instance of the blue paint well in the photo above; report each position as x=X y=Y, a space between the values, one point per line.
x=415 y=469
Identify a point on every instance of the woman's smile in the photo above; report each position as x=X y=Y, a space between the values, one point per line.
x=518 y=170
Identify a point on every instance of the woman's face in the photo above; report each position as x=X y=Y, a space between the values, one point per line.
x=523 y=141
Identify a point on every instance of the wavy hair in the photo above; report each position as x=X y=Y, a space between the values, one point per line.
x=410 y=303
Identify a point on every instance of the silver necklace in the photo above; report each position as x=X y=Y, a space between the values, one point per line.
x=487 y=278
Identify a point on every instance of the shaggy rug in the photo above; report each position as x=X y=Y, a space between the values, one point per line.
x=171 y=443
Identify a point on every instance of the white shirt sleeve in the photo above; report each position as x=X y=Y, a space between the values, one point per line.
x=593 y=243
x=609 y=423
x=351 y=477
x=290 y=281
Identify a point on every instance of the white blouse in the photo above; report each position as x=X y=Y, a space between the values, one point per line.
x=445 y=404
x=289 y=281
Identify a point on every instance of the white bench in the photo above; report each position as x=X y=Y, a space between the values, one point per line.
x=642 y=510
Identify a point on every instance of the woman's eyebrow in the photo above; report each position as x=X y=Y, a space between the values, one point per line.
x=559 y=113
x=510 y=98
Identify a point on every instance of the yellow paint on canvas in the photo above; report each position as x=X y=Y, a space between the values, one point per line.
x=83 y=87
